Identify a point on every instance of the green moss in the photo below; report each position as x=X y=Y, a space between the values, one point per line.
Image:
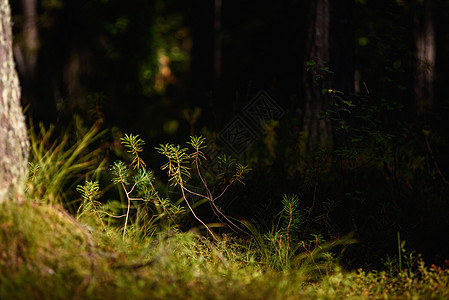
x=47 y=254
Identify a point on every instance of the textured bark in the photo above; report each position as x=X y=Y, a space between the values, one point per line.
x=424 y=72
x=319 y=132
x=13 y=134
x=330 y=38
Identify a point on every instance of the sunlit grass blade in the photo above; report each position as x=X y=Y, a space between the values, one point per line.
x=60 y=163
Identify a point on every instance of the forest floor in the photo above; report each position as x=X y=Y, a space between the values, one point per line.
x=45 y=253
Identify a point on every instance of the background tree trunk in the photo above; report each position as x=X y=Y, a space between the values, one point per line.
x=330 y=38
x=26 y=50
x=424 y=70
x=13 y=134
x=342 y=46
x=318 y=132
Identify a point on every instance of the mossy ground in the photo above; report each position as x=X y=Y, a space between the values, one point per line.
x=45 y=253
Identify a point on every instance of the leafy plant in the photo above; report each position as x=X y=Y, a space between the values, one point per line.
x=149 y=210
x=90 y=194
x=180 y=162
x=134 y=146
x=137 y=184
x=318 y=67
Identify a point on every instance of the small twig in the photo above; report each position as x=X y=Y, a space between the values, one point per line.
x=128 y=208
x=366 y=88
x=212 y=199
x=111 y=215
x=196 y=194
x=435 y=161
x=193 y=212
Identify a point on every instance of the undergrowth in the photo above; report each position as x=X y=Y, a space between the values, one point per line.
x=61 y=245
x=45 y=253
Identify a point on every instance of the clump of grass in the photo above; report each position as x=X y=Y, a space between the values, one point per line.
x=60 y=160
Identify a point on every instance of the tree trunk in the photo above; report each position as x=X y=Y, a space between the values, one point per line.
x=342 y=46
x=342 y=58
x=317 y=132
x=13 y=134
x=217 y=45
x=26 y=50
x=424 y=71
x=330 y=38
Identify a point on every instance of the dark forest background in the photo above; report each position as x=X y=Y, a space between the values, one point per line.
x=376 y=164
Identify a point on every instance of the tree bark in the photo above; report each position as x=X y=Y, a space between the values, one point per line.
x=13 y=133
x=424 y=71
x=330 y=38
x=318 y=132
